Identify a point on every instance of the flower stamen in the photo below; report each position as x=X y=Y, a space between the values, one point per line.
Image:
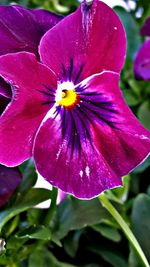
x=67 y=98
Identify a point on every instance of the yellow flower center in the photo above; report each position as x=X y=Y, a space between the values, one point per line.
x=68 y=98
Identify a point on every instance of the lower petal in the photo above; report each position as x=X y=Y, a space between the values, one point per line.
x=84 y=177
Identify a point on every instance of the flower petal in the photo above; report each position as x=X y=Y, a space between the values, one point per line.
x=145 y=31
x=21 y=29
x=110 y=149
x=142 y=62
x=31 y=100
x=87 y=42
x=71 y=175
x=9 y=180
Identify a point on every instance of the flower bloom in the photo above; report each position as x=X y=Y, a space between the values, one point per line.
x=9 y=180
x=68 y=111
x=142 y=59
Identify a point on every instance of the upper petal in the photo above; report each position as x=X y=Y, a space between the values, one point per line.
x=93 y=144
x=32 y=98
x=21 y=29
x=90 y=40
x=9 y=180
x=142 y=62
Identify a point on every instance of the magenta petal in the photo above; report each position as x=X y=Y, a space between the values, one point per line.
x=9 y=180
x=87 y=42
x=84 y=177
x=21 y=119
x=94 y=144
x=21 y=29
x=142 y=62
x=145 y=31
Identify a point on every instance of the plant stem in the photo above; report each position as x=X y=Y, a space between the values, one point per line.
x=133 y=241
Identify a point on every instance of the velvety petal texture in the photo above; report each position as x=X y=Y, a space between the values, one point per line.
x=21 y=29
x=142 y=62
x=94 y=144
x=145 y=30
x=9 y=180
x=31 y=83
x=90 y=40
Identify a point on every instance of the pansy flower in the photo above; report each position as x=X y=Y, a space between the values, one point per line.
x=10 y=178
x=68 y=111
x=142 y=59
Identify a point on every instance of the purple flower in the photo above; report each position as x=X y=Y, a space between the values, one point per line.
x=142 y=59
x=9 y=180
x=68 y=111
x=21 y=30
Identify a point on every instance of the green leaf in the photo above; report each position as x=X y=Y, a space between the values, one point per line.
x=15 y=243
x=29 y=175
x=133 y=261
x=71 y=243
x=120 y=194
x=130 y=97
x=140 y=222
x=41 y=257
x=112 y=257
x=144 y=114
x=33 y=197
x=35 y=216
x=132 y=31
x=11 y=226
x=108 y=232
x=35 y=232
x=75 y=214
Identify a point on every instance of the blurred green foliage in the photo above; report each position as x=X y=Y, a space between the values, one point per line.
x=82 y=233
